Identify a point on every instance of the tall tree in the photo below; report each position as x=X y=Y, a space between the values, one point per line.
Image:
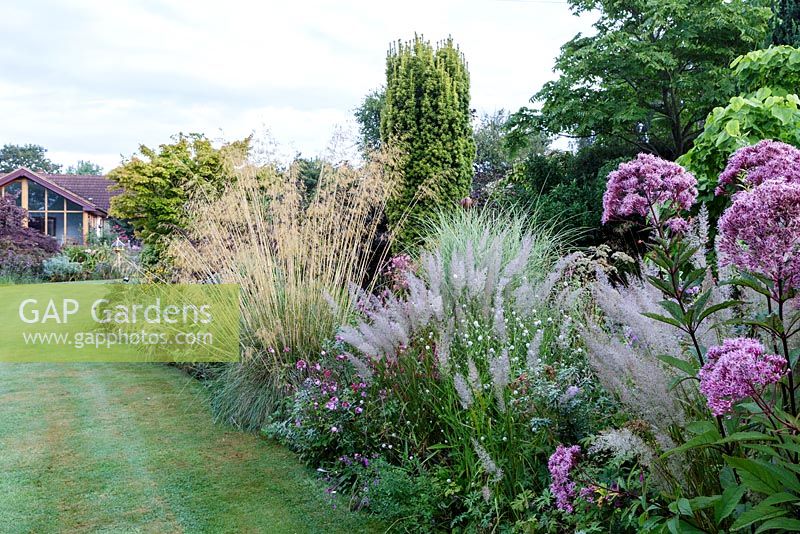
x=786 y=29
x=652 y=71
x=427 y=119
x=499 y=144
x=368 y=117
x=33 y=157
x=85 y=167
x=158 y=183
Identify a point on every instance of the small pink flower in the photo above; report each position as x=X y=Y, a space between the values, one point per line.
x=301 y=364
x=334 y=429
x=332 y=404
x=359 y=409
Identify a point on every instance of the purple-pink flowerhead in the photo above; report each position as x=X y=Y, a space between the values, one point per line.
x=639 y=185
x=755 y=164
x=736 y=370
x=760 y=232
x=560 y=464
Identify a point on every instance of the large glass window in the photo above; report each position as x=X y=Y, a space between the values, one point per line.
x=75 y=227
x=35 y=196
x=50 y=212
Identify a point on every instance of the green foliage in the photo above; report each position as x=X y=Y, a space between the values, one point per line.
x=744 y=121
x=426 y=119
x=447 y=435
x=563 y=187
x=33 y=157
x=767 y=110
x=62 y=269
x=368 y=116
x=652 y=71
x=158 y=183
x=499 y=145
x=85 y=167
x=786 y=29
x=777 y=67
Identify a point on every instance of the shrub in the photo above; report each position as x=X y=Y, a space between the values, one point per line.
x=22 y=249
x=62 y=269
x=293 y=260
x=563 y=187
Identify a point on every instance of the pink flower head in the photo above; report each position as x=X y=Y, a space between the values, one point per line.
x=301 y=364
x=678 y=225
x=736 y=370
x=755 y=164
x=560 y=464
x=647 y=181
x=760 y=232
x=333 y=403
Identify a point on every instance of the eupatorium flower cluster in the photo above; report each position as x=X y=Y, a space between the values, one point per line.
x=560 y=465
x=736 y=370
x=755 y=164
x=760 y=232
x=637 y=186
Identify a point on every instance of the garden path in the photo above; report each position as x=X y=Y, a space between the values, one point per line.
x=133 y=448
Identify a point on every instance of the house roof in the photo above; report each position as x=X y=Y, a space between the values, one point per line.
x=98 y=190
x=93 y=193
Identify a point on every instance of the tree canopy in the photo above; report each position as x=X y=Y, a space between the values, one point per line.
x=653 y=70
x=427 y=119
x=85 y=167
x=787 y=23
x=33 y=157
x=368 y=117
x=157 y=183
x=768 y=108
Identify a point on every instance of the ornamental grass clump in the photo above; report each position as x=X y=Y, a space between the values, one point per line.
x=477 y=352
x=293 y=258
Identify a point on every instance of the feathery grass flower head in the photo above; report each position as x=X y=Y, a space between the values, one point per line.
x=645 y=182
x=755 y=164
x=760 y=232
x=736 y=370
x=560 y=465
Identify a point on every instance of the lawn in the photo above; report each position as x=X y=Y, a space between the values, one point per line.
x=133 y=448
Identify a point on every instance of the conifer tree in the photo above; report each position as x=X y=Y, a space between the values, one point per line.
x=426 y=119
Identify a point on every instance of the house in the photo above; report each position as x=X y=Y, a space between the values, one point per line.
x=67 y=207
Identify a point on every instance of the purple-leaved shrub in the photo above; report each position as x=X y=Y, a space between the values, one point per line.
x=22 y=249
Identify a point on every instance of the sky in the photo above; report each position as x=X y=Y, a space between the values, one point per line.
x=94 y=79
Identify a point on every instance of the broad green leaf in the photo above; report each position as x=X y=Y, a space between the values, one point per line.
x=728 y=502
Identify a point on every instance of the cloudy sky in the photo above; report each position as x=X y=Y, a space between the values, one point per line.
x=92 y=79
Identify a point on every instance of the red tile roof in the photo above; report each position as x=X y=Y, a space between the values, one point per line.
x=98 y=190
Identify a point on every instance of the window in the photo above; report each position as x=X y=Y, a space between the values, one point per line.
x=75 y=227
x=36 y=194
x=52 y=214
x=15 y=189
